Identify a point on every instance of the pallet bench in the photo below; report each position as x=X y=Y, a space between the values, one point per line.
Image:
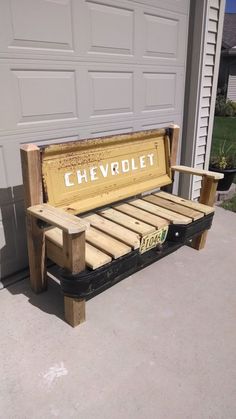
x=120 y=187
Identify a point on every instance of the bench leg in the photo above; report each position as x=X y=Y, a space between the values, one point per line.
x=208 y=193
x=74 y=309
x=74 y=261
x=37 y=259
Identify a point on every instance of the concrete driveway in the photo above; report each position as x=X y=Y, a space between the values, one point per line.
x=160 y=344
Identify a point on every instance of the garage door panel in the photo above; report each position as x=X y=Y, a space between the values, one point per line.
x=111 y=92
x=36 y=85
x=120 y=31
x=28 y=24
x=79 y=94
x=172 y=5
x=105 y=23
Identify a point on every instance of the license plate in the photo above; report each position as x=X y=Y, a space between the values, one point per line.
x=153 y=239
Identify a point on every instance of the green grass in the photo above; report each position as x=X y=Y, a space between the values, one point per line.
x=224 y=130
x=230 y=204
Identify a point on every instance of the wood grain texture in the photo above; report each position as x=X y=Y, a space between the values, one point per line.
x=94 y=258
x=174 y=142
x=106 y=243
x=205 y=209
x=207 y=197
x=74 y=310
x=33 y=195
x=58 y=218
x=180 y=209
x=147 y=204
x=142 y=215
x=32 y=174
x=127 y=221
x=114 y=230
x=197 y=172
x=36 y=252
x=74 y=252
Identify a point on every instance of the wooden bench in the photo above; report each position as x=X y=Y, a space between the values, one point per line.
x=122 y=226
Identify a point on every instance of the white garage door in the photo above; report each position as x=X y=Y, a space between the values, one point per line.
x=74 y=69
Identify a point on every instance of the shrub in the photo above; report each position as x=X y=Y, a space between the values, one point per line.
x=224 y=106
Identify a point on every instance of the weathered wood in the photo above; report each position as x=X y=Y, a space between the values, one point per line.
x=114 y=230
x=148 y=204
x=174 y=142
x=198 y=172
x=127 y=221
x=180 y=209
x=205 y=209
x=74 y=252
x=36 y=252
x=94 y=258
x=207 y=197
x=32 y=174
x=58 y=218
x=74 y=310
x=33 y=195
x=142 y=215
x=106 y=243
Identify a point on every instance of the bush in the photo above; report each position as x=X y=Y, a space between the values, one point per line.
x=224 y=107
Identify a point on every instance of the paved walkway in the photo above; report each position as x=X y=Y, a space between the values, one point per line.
x=160 y=344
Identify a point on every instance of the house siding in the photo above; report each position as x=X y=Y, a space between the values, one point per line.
x=231 y=93
x=210 y=68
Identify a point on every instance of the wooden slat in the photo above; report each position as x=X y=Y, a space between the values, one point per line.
x=114 y=230
x=142 y=215
x=106 y=243
x=94 y=258
x=186 y=202
x=127 y=221
x=58 y=218
x=172 y=216
x=173 y=206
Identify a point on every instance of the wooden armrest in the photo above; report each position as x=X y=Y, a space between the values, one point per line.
x=198 y=172
x=57 y=217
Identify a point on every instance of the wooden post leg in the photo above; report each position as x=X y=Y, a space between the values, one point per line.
x=207 y=197
x=74 y=261
x=74 y=311
x=36 y=250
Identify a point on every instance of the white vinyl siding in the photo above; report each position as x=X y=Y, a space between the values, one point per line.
x=231 y=93
x=206 y=104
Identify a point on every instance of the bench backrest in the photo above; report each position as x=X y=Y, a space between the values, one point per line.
x=83 y=175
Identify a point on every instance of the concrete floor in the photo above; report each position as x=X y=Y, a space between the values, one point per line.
x=160 y=344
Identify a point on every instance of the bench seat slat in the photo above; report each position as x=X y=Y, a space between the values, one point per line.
x=129 y=222
x=186 y=202
x=106 y=243
x=114 y=230
x=94 y=258
x=172 y=216
x=173 y=206
x=142 y=215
